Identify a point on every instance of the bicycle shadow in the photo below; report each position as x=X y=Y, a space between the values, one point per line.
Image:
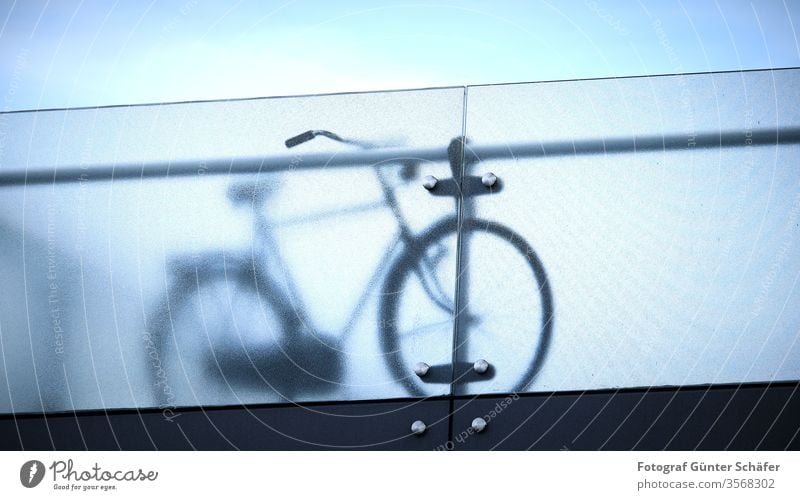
x=303 y=363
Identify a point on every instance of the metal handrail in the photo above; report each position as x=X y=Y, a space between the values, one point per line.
x=393 y=155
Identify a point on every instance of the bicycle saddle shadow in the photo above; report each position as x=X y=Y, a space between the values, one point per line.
x=306 y=365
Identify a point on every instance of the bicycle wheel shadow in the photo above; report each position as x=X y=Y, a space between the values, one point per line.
x=464 y=372
x=460 y=370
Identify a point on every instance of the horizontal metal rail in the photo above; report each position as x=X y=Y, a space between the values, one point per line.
x=376 y=157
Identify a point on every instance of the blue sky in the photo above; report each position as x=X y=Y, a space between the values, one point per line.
x=71 y=53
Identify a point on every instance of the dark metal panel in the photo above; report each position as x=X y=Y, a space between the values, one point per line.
x=368 y=425
x=708 y=418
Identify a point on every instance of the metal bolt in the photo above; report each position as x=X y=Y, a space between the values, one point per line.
x=421 y=369
x=478 y=425
x=429 y=182
x=418 y=427
x=489 y=179
x=481 y=366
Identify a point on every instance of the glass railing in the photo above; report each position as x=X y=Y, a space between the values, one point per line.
x=184 y=255
x=661 y=218
x=585 y=235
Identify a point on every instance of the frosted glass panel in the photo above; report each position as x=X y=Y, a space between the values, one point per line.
x=642 y=232
x=663 y=220
x=183 y=255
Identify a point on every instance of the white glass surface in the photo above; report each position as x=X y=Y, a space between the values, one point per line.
x=669 y=265
x=121 y=289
